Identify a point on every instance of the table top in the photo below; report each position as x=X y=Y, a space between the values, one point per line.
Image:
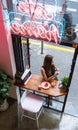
x=36 y=80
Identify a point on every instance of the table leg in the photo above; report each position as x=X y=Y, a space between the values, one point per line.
x=48 y=101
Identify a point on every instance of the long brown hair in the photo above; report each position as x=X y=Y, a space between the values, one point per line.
x=48 y=62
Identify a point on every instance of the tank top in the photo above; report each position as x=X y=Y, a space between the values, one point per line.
x=52 y=71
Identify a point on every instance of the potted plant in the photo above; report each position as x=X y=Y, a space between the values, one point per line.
x=18 y=76
x=64 y=81
x=5 y=83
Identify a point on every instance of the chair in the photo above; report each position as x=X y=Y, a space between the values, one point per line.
x=32 y=104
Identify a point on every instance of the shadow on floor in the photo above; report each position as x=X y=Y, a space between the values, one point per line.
x=50 y=120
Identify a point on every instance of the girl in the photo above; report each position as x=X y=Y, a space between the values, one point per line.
x=49 y=70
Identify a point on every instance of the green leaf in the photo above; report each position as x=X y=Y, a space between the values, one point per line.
x=4 y=90
x=65 y=80
x=5 y=83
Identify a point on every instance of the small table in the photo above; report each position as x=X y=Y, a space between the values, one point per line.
x=35 y=81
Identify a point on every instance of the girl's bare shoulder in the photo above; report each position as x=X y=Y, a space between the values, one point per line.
x=42 y=69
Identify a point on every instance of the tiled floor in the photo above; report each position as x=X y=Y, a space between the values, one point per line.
x=52 y=121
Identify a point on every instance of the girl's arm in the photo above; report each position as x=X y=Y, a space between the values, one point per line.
x=57 y=71
x=49 y=79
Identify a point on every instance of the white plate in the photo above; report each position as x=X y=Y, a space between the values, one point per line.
x=45 y=85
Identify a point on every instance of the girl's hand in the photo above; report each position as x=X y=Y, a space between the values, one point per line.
x=57 y=72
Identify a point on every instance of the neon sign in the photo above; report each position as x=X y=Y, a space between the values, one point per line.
x=39 y=22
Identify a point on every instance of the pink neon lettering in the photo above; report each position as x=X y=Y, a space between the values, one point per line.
x=32 y=30
x=39 y=11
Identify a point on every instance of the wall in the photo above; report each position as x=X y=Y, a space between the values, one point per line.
x=7 y=61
